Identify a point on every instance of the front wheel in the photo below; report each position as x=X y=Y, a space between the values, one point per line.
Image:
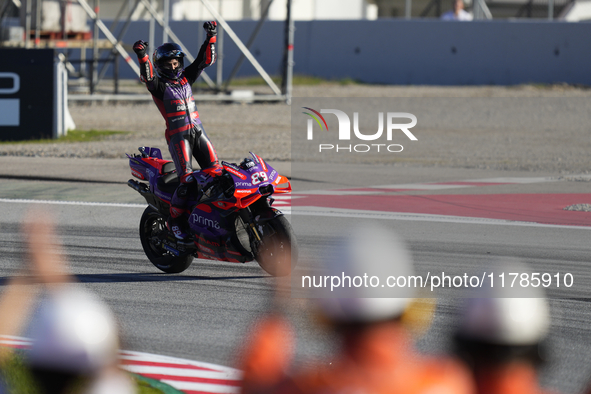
x=152 y=231
x=278 y=252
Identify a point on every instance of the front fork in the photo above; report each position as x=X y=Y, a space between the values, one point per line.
x=249 y=223
x=255 y=217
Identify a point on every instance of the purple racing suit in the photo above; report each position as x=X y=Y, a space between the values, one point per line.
x=184 y=134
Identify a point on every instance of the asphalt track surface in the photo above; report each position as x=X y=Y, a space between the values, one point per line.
x=205 y=312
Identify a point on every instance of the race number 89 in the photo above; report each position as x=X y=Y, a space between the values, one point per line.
x=259 y=177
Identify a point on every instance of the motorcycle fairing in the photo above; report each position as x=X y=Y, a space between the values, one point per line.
x=255 y=181
x=213 y=218
x=214 y=234
x=149 y=166
x=219 y=248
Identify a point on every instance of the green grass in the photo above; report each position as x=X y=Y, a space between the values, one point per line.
x=16 y=376
x=72 y=136
x=298 y=80
x=88 y=135
x=145 y=388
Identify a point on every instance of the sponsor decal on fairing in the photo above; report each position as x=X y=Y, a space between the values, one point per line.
x=137 y=174
x=198 y=219
x=234 y=172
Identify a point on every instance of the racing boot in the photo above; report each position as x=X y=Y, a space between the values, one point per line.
x=177 y=224
x=214 y=170
x=177 y=221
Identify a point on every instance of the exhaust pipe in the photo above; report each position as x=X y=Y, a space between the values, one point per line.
x=151 y=199
x=139 y=187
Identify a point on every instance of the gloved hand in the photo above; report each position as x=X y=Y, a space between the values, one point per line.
x=140 y=47
x=211 y=28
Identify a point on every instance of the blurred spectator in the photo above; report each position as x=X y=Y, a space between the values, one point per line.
x=500 y=336
x=74 y=335
x=75 y=344
x=457 y=13
x=377 y=355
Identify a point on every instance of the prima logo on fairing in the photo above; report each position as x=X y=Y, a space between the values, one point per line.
x=344 y=131
x=197 y=219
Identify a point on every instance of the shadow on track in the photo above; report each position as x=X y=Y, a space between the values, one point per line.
x=146 y=277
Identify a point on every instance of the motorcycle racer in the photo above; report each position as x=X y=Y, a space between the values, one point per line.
x=170 y=86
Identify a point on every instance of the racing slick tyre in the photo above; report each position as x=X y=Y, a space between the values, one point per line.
x=152 y=230
x=278 y=252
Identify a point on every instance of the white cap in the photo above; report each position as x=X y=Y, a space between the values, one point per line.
x=506 y=315
x=372 y=250
x=74 y=331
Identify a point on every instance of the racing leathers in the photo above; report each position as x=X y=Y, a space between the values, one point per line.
x=184 y=131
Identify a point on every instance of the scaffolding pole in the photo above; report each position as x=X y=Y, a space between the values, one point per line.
x=28 y=11
x=220 y=50
x=253 y=36
x=38 y=5
x=279 y=94
x=110 y=37
x=287 y=82
x=160 y=21
x=152 y=27
x=113 y=52
x=166 y=18
x=241 y=46
x=95 y=51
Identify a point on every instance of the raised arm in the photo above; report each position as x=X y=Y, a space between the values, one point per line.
x=207 y=54
x=146 y=68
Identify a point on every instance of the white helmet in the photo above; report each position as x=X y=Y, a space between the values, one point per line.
x=371 y=251
x=513 y=316
x=73 y=332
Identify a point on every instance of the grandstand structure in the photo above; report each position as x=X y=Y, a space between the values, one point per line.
x=66 y=25
x=89 y=35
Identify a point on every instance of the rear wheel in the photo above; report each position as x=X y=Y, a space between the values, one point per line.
x=152 y=231
x=278 y=252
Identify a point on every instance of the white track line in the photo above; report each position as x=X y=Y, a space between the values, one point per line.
x=81 y=203
x=335 y=212
x=181 y=372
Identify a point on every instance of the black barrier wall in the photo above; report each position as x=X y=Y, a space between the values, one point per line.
x=26 y=94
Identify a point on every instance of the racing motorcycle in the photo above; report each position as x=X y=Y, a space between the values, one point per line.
x=231 y=219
